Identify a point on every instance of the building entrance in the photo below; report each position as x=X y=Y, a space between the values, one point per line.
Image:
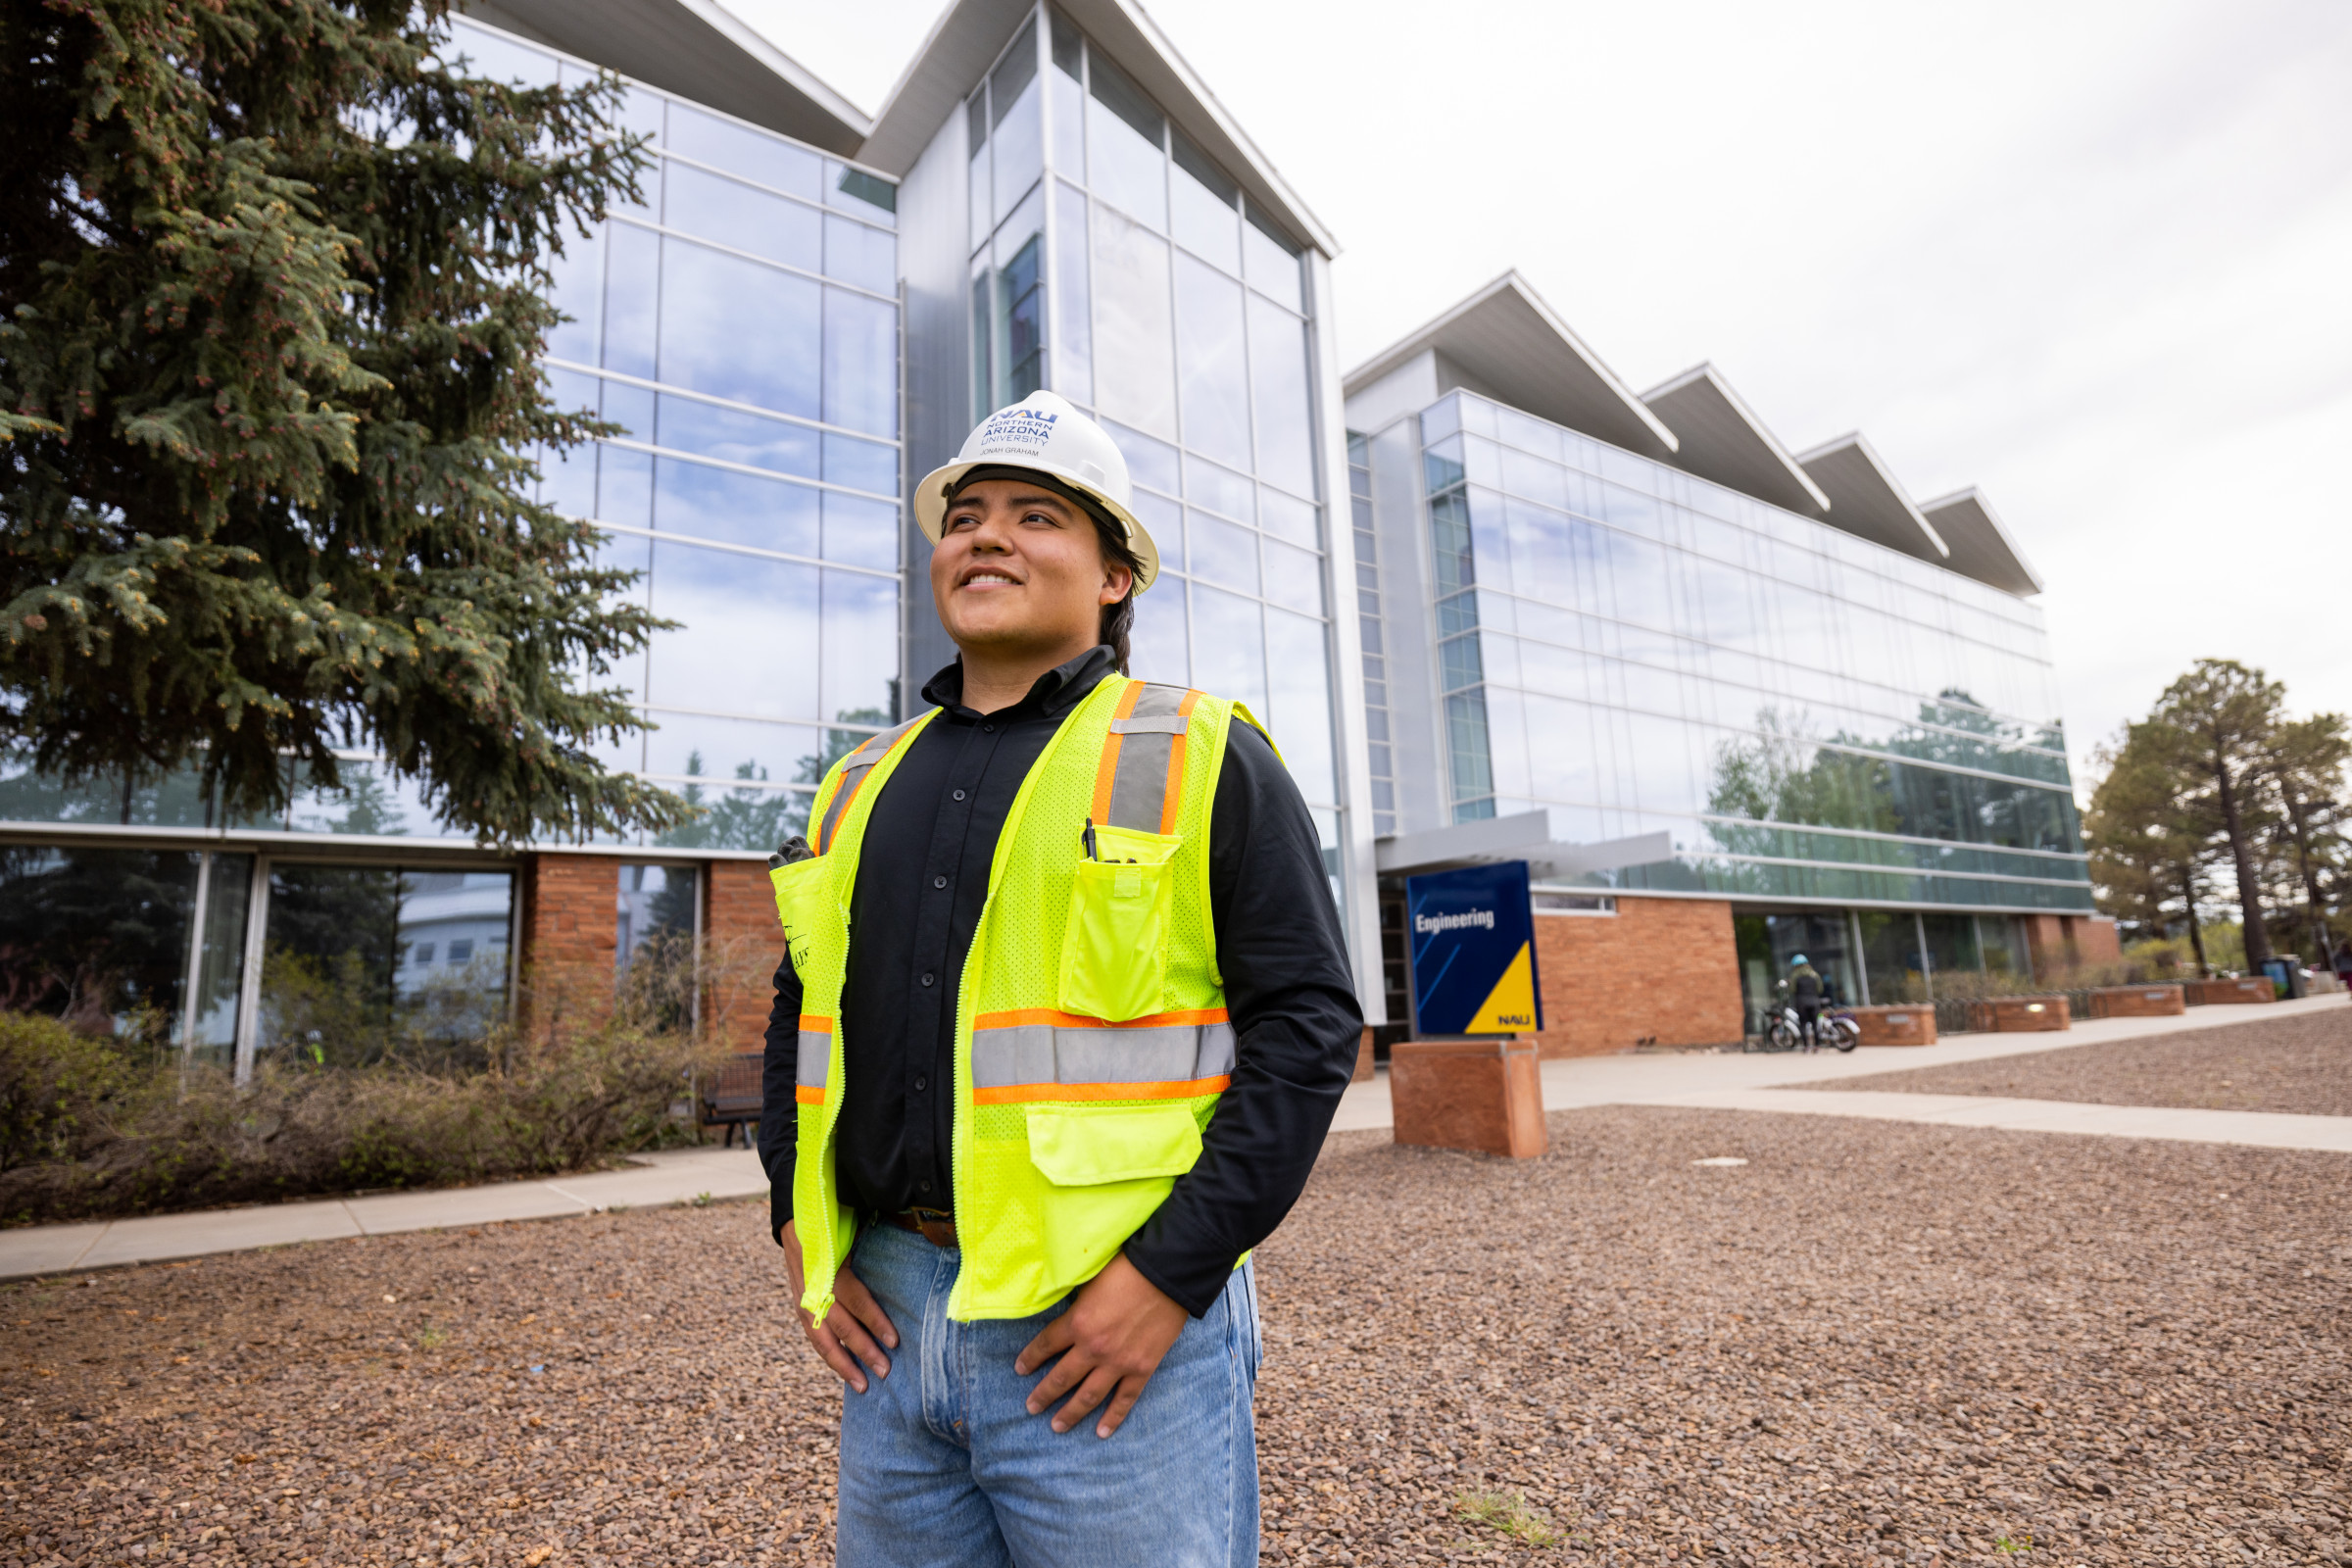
x=1769 y=943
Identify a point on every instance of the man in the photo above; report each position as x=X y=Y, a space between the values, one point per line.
x=1064 y=1019
x=1804 y=994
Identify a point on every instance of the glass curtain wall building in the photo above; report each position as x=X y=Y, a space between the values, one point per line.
x=1113 y=261
x=804 y=310
x=1814 y=720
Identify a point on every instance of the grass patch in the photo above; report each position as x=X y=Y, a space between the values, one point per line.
x=1511 y=1513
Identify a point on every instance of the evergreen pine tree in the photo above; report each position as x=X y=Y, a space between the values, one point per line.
x=272 y=301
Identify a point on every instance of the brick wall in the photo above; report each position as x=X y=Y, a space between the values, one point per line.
x=1662 y=970
x=741 y=946
x=569 y=933
x=2097 y=940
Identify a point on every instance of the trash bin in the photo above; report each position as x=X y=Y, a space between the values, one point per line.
x=2287 y=974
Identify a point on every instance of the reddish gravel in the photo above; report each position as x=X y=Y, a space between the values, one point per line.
x=1874 y=1343
x=2301 y=1063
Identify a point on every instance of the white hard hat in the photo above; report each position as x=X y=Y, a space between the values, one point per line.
x=1046 y=435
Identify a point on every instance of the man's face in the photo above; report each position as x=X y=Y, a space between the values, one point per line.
x=1019 y=571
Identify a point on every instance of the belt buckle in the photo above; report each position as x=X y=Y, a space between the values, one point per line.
x=935 y=1225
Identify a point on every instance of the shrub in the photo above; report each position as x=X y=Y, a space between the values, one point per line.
x=102 y=1135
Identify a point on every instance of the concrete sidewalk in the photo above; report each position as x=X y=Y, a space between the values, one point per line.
x=650 y=1181
x=1730 y=1081
x=1735 y=1079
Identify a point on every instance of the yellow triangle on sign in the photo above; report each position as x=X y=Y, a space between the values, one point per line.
x=1510 y=1007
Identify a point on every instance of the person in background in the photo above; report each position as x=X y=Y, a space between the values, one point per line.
x=1066 y=1016
x=1806 y=988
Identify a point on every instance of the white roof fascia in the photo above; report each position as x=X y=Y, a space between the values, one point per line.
x=668 y=44
x=1706 y=372
x=969 y=36
x=1970 y=496
x=1433 y=335
x=1854 y=439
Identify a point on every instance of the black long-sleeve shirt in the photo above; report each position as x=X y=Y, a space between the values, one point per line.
x=922 y=877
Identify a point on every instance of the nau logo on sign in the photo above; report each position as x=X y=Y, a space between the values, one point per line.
x=1473 y=951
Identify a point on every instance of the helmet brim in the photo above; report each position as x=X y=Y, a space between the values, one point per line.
x=932 y=495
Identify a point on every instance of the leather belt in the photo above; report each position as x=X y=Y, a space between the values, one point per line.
x=934 y=1225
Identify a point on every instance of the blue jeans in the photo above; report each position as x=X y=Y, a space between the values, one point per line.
x=941 y=1463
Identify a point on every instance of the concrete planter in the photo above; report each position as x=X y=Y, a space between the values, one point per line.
x=1895 y=1025
x=2218 y=993
x=1485 y=1095
x=2138 y=1001
x=2011 y=1015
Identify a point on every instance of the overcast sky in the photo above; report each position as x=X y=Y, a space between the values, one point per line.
x=2095 y=259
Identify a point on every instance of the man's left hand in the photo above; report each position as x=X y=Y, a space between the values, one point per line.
x=1110 y=1341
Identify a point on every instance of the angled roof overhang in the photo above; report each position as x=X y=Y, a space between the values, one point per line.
x=1723 y=440
x=696 y=49
x=968 y=37
x=1982 y=548
x=1528 y=836
x=1508 y=344
x=1865 y=502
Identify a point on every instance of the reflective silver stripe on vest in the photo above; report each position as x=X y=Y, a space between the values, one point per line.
x=1140 y=787
x=815 y=1063
x=1053 y=1054
x=852 y=773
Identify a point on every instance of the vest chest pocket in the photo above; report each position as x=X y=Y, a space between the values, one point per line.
x=1114 y=948
x=804 y=904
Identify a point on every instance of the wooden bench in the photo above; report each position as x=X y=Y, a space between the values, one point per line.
x=731 y=1098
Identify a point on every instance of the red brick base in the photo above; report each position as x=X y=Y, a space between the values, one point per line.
x=1485 y=1095
x=1659 y=971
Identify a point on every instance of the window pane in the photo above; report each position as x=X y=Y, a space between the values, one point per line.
x=733 y=214
x=738 y=613
x=1228 y=656
x=861 y=647
x=731 y=436
x=737 y=329
x=577 y=286
x=1209 y=362
x=332 y=945
x=1068 y=105
x=96 y=936
x=1135 y=359
x=1289 y=517
x=1298 y=661
x=1222 y=552
x=1157 y=643
x=869 y=466
x=741 y=150
x=739 y=509
x=221 y=968
x=1272 y=263
x=655 y=907
x=1125 y=164
x=1148 y=461
x=856 y=252
x=1017 y=139
x=982 y=205
x=861 y=363
x=1203 y=205
x=860 y=532
x=624 y=487
x=868 y=196
x=1286 y=447
x=1293 y=577
x=632 y=298
x=694 y=745
x=1073 y=332
x=451 y=982
x=1218 y=489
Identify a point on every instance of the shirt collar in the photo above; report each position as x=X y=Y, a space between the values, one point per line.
x=1055 y=693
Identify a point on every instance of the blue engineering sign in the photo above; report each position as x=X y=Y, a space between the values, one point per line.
x=1473 y=951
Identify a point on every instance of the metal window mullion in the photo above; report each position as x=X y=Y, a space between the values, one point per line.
x=248 y=986
x=188 y=994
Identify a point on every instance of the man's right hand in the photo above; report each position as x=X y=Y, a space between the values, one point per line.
x=847 y=1335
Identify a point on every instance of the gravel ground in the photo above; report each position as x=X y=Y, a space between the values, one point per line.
x=1874 y=1342
x=2301 y=1063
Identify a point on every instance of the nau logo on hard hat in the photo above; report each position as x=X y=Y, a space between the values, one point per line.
x=1024 y=425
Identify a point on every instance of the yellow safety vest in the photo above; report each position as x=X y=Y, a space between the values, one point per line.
x=1090 y=1034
